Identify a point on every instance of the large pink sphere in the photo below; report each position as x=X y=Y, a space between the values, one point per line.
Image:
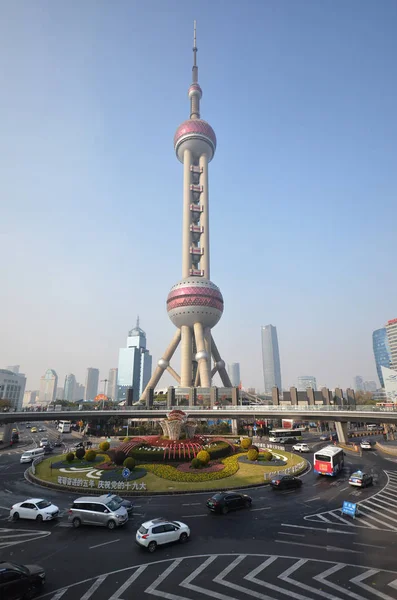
x=195 y=300
x=197 y=136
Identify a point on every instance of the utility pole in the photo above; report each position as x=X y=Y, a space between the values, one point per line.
x=105 y=381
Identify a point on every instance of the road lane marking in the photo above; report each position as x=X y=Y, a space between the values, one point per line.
x=192 y=504
x=104 y=544
x=313 y=499
x=328 y=530
x=369 y=545
x=126 y=584
x=59 y=594
x=265 y=508
x=328 y=548
x=292 y=534
x=191 y=516
x=93 y=588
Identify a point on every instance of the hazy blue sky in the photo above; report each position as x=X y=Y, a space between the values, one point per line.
x=302 y=97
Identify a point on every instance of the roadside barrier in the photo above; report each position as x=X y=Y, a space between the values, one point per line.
x=290 y=471
x=387 y=449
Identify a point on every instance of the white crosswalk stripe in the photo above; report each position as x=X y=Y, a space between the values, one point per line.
x=377 y=512
x=236 y=577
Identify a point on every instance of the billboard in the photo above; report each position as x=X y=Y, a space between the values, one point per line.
x=390 y=379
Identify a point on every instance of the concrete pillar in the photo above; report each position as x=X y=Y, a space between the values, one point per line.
x=220 y=365
x=163 y=363
x=276 y=396
x=294 y=396
x=170 y=397
x=192 y=396
x=339 y=397
x=186 y=356
x=213 y=396
x=325 y=396
x=235 y=395
x=234 y=426
x=149 y=398
x=204 y=217
x=187 y=199
x=174 y=374
x=310 y=396
x=201 y=356
x=207 y=342
x=341 y=431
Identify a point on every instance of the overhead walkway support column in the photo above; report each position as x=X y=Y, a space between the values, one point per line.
x=341 y=431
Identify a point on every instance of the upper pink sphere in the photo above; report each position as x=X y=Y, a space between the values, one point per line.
x=196 y=135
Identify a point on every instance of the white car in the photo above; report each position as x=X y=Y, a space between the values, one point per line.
x=301 y=448
x=44 y=442
x=161 y=531
x=365 y=445
x=34 y=508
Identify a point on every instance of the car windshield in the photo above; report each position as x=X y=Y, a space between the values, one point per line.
x=217 y=497
x=19 y=568
x=117 y=499
x=43 y=504
x=112 y=504
x=143 y=529
x=175 y=523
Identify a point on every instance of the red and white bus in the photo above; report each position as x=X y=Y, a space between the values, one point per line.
x=328 y=461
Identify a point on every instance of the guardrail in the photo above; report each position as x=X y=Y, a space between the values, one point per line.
x=36 y=461
x=289 y=471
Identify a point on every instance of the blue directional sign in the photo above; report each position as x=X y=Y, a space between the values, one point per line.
x=349 y=508
x=254 y=428
x=126 y=473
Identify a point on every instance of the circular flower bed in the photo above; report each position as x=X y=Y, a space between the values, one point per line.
x=186 y=468
x=192 y=475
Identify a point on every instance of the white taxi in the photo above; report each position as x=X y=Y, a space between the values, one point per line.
x=360 y=479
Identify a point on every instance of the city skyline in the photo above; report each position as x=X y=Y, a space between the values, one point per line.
x=270 y=358
x=331 y=131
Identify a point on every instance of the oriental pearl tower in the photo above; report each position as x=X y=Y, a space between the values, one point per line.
x=195 y=303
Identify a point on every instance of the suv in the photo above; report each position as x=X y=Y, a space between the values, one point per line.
x=301 y=447
x=19 y=581
x=161 y=531
x=44 y=442
x=102 y=511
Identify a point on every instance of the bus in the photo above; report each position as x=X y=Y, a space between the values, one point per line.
x=276 y=434
x=328 y=461
x=388 y=405
x=64 y=426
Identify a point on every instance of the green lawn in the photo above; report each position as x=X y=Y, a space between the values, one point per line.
x=247 y=474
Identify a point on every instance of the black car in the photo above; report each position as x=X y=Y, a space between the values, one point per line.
x=127 y=504
x=48 y=449
x=287 y=440
x=225 y=501
x=58 y=443
x=20 y=581
x=287 y=482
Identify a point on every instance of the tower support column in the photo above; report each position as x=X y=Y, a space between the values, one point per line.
x=186 y=236
x=186 y=356
x=163 y=363
x=201 y=355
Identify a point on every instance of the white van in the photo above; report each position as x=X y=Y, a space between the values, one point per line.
x=372 y=427
x=30 y=455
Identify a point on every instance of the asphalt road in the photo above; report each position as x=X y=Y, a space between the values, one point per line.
x=290 y=543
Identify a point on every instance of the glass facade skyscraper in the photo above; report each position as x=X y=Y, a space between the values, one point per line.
x=270 y=358
x=382 y=353
x=233 y=370
x=135 y=365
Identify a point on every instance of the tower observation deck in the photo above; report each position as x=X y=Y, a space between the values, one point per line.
x=195 y=303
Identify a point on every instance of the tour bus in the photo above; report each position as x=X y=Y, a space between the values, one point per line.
x=64 y=426
x=328 y=461
x=276 y=434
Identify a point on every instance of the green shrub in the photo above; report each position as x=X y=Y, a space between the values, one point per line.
x=204 y=457
x=172 y=474
x=196 y=463
x=90 y=455
x=252 y=454
x=129 y=463
x=254 y=448
x=126 y=439
x=266 y=455
x=246 y=443
x=119 y=457
x=104 y=446
x=80 y=452
x=221 y=450
x=70 y=457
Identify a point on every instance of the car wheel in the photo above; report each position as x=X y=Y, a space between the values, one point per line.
x=39 y=518
x=15 y=516
x=247 y=504
x=225 y=510
x=152 y=547
x=111 y=524
x=183 y=538
x=76 y=522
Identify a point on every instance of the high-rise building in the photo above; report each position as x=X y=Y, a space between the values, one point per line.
x=79 y=392
x=135 y=365
x=29 y=398
x=359 y=383
x=91 y=383
x=391 y=330
x=370 y=386
x=380 y=345
x=195 y=303
x=270 y=358
x=112 y=384
x=13 y=369
x=305 y=382
x=48 y=387
x=390 y=379
x=12 y=388
x=59 y=393
x=70 y=384
x=233 y=370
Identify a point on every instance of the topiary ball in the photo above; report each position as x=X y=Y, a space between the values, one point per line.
x=119 y=458
x=246 y=443
x=252 y=454
x=129 y=463
x=266 y=455
x=254 y=447
x=90 y=455
x=196 y=463
x=70 y=457
x=80 y=452
x=204 y=457
x=104 y=446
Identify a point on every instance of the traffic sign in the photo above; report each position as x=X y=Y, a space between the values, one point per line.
x=126 y=473
x=255 y=428
x=349 y=508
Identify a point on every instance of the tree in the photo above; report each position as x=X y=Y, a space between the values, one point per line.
x=365 y=398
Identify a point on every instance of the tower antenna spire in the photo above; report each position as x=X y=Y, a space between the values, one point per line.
x=194 y=44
